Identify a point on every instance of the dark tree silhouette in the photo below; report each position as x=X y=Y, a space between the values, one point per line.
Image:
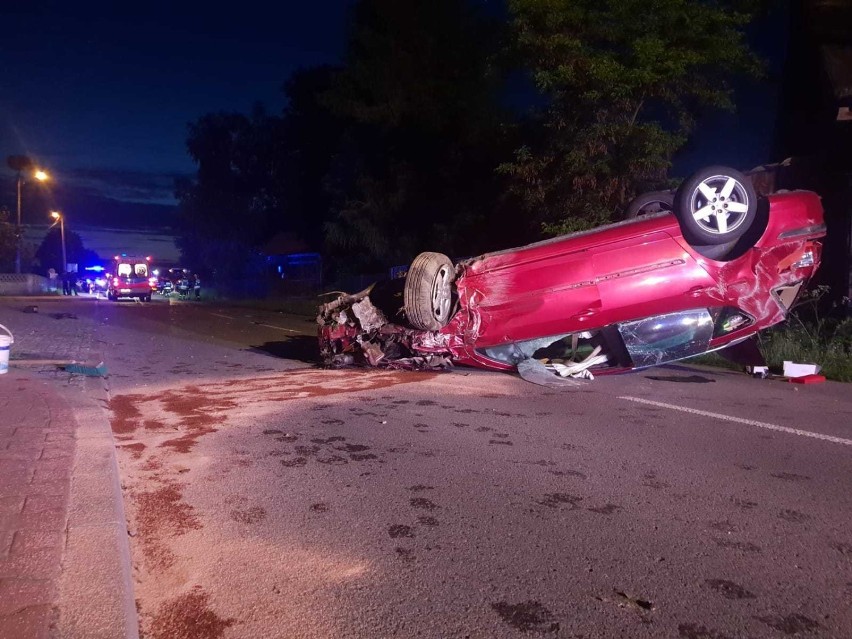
x=49 y=252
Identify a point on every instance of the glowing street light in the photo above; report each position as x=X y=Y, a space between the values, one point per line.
x=20 y=164
x=56 y=215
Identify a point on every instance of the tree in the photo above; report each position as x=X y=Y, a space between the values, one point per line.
x=49 y=252
x=7 y=242
x=415 y=165
x=623 y=81
x=226 y=211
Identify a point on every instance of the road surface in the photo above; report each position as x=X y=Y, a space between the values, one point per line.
x=269 y=498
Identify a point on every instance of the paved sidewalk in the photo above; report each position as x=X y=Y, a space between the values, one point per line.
x=64 y=555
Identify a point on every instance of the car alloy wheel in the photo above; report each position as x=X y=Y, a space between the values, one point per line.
x=715 y=205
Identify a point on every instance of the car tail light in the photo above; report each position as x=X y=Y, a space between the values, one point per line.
x=807 y=259
x=729 y=319
x=115 y=281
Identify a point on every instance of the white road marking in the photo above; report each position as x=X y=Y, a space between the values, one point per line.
x=740 y=420
x=280 y=328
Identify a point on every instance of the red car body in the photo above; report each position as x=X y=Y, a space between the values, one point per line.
x=647 y=293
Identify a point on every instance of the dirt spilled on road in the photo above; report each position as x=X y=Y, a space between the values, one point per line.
x=188 y=616
x=159 y=433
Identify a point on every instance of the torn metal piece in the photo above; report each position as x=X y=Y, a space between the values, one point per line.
x=534 y=371
x=368 y=315
x=372 y=352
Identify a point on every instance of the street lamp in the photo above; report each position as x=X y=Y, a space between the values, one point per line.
x=21 y=163
x=56 y=215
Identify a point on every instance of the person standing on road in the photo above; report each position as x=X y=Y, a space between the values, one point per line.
x=66 y=283
x=196 y=286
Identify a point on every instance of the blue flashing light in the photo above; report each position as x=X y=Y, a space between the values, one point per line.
x=96 y=268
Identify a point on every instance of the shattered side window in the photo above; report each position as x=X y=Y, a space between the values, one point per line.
x=667 y=338
x=516 y=352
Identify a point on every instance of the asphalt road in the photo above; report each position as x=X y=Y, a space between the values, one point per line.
x=270 y=498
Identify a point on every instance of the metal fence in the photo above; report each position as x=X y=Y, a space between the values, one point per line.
x=23 y=284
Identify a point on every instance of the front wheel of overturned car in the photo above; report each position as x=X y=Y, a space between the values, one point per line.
x=648 y=203
x=428 y=291
x=715 y=205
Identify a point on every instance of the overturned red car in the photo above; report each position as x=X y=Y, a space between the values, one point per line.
x=650 y=290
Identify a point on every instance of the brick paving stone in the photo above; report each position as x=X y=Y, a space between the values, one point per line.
x=34 y=435
x=11 y=505
x=58 y=487
x=6 y=537
x=32 y=622
x=30 y=540
x=56 y=451
x=54 y=519
x=26 y=443
x=16 y=594
x=32 y=564
x=15 y=484
x=24 y=452
x=43 y=475
x=40 y=503
x=11 y=466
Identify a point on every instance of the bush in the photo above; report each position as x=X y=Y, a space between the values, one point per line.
x=811 y=335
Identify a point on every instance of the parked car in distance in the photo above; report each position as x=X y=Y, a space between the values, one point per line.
x=650 y=290
x=130 y=278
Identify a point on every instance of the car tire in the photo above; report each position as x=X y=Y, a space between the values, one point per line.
x=715 y=205
x=647 y=203
x=111 y=297
x=428 y=291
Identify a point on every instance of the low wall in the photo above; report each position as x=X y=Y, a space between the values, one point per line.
x=24 y=284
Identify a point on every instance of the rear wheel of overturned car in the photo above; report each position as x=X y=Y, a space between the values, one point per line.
x=715 y=205
x=648 y=203
x=428 y=291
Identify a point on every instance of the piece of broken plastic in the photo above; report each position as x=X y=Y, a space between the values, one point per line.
x=808 y=379
x=534 y=371
x=794 y=369
x=91 y=371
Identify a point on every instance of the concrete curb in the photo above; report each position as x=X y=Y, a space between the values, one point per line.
x=96 y=585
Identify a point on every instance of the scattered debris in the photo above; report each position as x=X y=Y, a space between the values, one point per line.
x=31 y=309
x=625 y=600
x=63 y=316
x=534 y=371
x=761 y=372
x=99 y=370
x=354 y=330
x=808 y=379
x=794 y=369
x=634 y=602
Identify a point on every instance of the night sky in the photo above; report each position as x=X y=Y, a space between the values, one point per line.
x=101 y=94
